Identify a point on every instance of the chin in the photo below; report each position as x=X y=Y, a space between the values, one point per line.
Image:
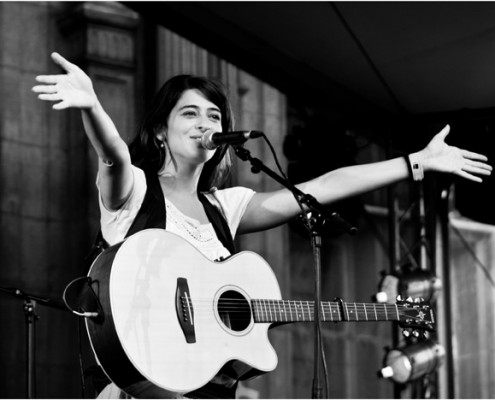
x=204 y=156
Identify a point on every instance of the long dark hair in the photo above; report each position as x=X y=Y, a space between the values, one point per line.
x=145 y=148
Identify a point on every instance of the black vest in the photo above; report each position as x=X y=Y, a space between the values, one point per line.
x=152 y=215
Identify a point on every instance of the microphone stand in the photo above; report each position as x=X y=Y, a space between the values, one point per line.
x=30 y=302
x=314 y=224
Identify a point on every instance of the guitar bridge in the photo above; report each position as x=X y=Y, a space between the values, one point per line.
x=185 y=310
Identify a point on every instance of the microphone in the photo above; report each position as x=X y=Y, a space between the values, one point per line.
x=211 y=141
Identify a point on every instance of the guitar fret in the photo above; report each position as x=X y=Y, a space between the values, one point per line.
x=385 y=308
x=336 y=310
x=376 y=316
x=265 y=310
x=323 y=312
x=290 y=311
x=365 y=312
x=309 y=310
x=397 y=311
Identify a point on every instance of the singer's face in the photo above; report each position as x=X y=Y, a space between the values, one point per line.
x=189 y=120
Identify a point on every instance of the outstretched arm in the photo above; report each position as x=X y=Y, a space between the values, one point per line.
x=74 y=89
x=267 y=210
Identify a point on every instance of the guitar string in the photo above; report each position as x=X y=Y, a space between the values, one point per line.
x=277 y=304
x=278 y=314
x=241 y=305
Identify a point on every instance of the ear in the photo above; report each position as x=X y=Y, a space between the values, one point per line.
x=162 y=135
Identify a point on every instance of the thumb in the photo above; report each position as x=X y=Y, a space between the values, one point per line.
x=444 y=132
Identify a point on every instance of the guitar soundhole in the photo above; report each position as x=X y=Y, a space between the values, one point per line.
x=234 y=310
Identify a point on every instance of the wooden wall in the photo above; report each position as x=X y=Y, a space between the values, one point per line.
x=48 y=212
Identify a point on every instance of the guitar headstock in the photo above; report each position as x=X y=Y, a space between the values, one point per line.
x=415 y=315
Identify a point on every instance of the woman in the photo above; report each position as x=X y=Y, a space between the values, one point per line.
x=168 y=155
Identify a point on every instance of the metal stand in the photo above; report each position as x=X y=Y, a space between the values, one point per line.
x=31 y=318
x=319 y=215
x=30 y=303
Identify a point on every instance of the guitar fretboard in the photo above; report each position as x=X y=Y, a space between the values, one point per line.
x=301 y=311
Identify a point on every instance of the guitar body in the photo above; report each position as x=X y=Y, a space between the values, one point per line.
x=160 y=324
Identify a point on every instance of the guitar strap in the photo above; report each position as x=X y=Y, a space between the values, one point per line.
x=219 y=223
x=152 y=215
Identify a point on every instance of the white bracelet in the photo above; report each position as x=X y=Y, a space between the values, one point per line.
x=107 y=163
x=416 y=167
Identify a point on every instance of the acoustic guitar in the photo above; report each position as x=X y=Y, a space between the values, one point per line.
x=170 y=320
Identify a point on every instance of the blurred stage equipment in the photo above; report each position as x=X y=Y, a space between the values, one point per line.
x=416 y=283
x=410 y=362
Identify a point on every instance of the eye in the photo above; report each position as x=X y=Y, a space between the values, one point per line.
x=189 y=113
x=216 y=117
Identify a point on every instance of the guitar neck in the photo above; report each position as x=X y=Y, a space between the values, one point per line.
x=303 y=311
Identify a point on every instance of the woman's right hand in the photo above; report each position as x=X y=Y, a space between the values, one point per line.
x=73 y=89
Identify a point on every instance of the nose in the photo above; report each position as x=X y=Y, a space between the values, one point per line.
x=202 y=128
x=204 y=125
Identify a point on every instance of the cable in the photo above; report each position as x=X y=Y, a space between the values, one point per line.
x=81 y=366
x=80 y=314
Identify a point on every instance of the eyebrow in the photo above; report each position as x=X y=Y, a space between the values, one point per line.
x=197 y=108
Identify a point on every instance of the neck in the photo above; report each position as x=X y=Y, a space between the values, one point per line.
x=301 y=311
x=180 y=178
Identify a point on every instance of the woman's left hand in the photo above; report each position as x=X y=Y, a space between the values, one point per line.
x=439 y=156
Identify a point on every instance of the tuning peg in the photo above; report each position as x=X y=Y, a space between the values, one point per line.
x=409 y=299
x=406 y=333
x=399 y=298
x=415 y=333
